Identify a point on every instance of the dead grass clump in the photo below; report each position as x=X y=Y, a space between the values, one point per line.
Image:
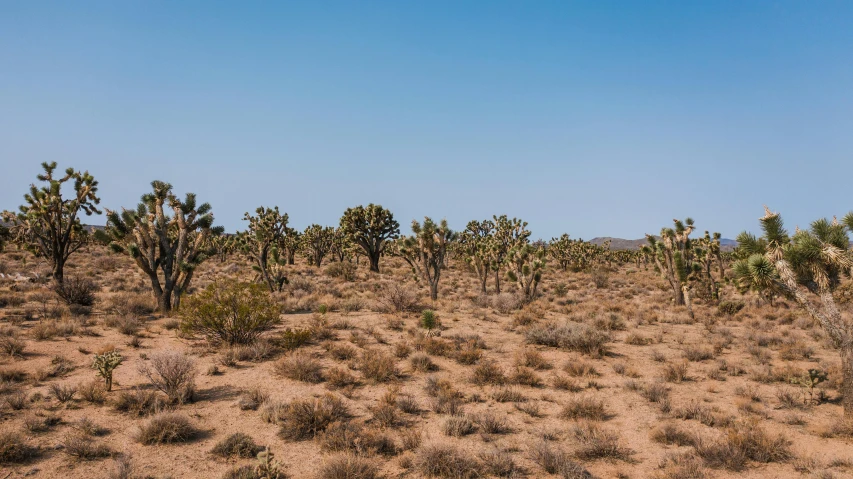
x=444 y=461
x=305 y=418
x=572 y=336
x=499 y=463
x=337 y=378
x=532 y=358
x=491 y=423
x=62 y=393
x=669 y=434
x=488 y=373
x=580 y=368
x=705 y=415
x=843 y=429
x=173 y=373
x=378 y=366
x=743 y=441
x=681 y=466
x=130 y=304
x=675 y=373
x=655 y=392
x=584 y=408
x=166 y=428
x=557 y=462
x=397 y=297
x=300 y=367
x=252 y=398
x=13 y=448
x=93 y=392
x=566 y=384
x=422 y=363
x=139 y=402
x=458 y=426
x=84 y=448
x=236 y=445
x=506 y=303
x=345 y=436
x=14 y=347
x=698 y=353
x=597 y=442
x=348 y=466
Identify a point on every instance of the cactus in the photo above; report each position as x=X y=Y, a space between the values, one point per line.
x=474 y=248
x=266 y=231
x=267 y=467
x=526 y=263
x=809 y=380
x=673 y=255
x=163 y=246
x=48 y=225
x=810 y=261
x=105 y=364
x=317 y=242
x=371 y=229
x=425 y=251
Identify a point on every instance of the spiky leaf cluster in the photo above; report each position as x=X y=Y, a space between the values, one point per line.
x=48 y=224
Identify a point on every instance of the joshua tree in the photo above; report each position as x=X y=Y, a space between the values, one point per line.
x=223 y=245
x=811 y=261
x=425 y=251
x=509 y=234
x=4 y=236
x=266 y=230
x=673 y=257
x=706 y=250
x=526 y=263
x=48 y=224
x=342 y=248
x=317 y=242
x=167 y=248
x=474 y=247
x=370 y=228
x=290 y=244
x=105 y=364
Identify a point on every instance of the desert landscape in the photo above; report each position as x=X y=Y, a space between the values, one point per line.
x=380 y=355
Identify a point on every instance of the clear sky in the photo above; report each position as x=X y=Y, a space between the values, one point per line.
x=593 y=118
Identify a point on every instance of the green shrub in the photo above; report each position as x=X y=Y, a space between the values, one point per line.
x=229 y=311
x=729 y=308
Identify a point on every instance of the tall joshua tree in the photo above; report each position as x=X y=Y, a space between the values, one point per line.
x=526 y=263
x=48 y=225
x=317 y=242
x=370 y=228
x=290 y=244
x=342 y=248
x=509 y=234
x=425 y=251
x=673 y=257
x=809 y=262
x=266 y=230
x=474 y=247
x=168 y=248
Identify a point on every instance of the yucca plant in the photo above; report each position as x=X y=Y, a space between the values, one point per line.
x=811 y=261
x=267 y=229
x=673 y=257
x=425 y=251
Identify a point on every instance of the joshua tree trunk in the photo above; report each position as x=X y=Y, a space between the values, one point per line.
x=374 y=261
x=483 y=279
x=685 y=293
x=847 y=380
x=433 y=289
x=58 y=271
x=497 y=282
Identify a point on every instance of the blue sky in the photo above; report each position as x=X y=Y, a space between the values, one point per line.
x=592 y=118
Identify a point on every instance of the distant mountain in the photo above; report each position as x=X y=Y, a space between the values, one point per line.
x=619 y=243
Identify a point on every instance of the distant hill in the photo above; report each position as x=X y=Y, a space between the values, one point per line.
x=619 y=243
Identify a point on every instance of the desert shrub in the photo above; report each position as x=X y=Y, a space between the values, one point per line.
x=444 y=461
x=532 y=359
x=166 y=428
x=13 y=300
x=491 y=423
x=458 y=426
x=345 y=436
x=291 y=339
x=229 y=312
x=397 y=297
x=506 y=303
x=422 y=363
x=62 y=393
x=508 y=395
x=340 y=378
x=675 y=373
x=130 y=304
x=557 y=462
x=729 y=308
x=252 y=398
x=584 y=408
x=526 y=377
x=580 y=368
x=76 y=291
x=44 y=330
x=561 y=290
x=257 y=351
x=300 y=367
x=681 y=466
x=597 y=442
x=698 y=353
x=127 y=325
x=348 y=466
x=139 y=402
x=236 y=445
x=13 y=448
x=655 y=392
x=173 y=373
x=600 y=277
x=83 y=447
x=571 y=336
x=499 y=463
x=342 y=269
x=305 y=418
x=488 y=373
x=377 y=366
x=342 y=352
x=12 y=346
x=669 y=434
x=16 y=401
